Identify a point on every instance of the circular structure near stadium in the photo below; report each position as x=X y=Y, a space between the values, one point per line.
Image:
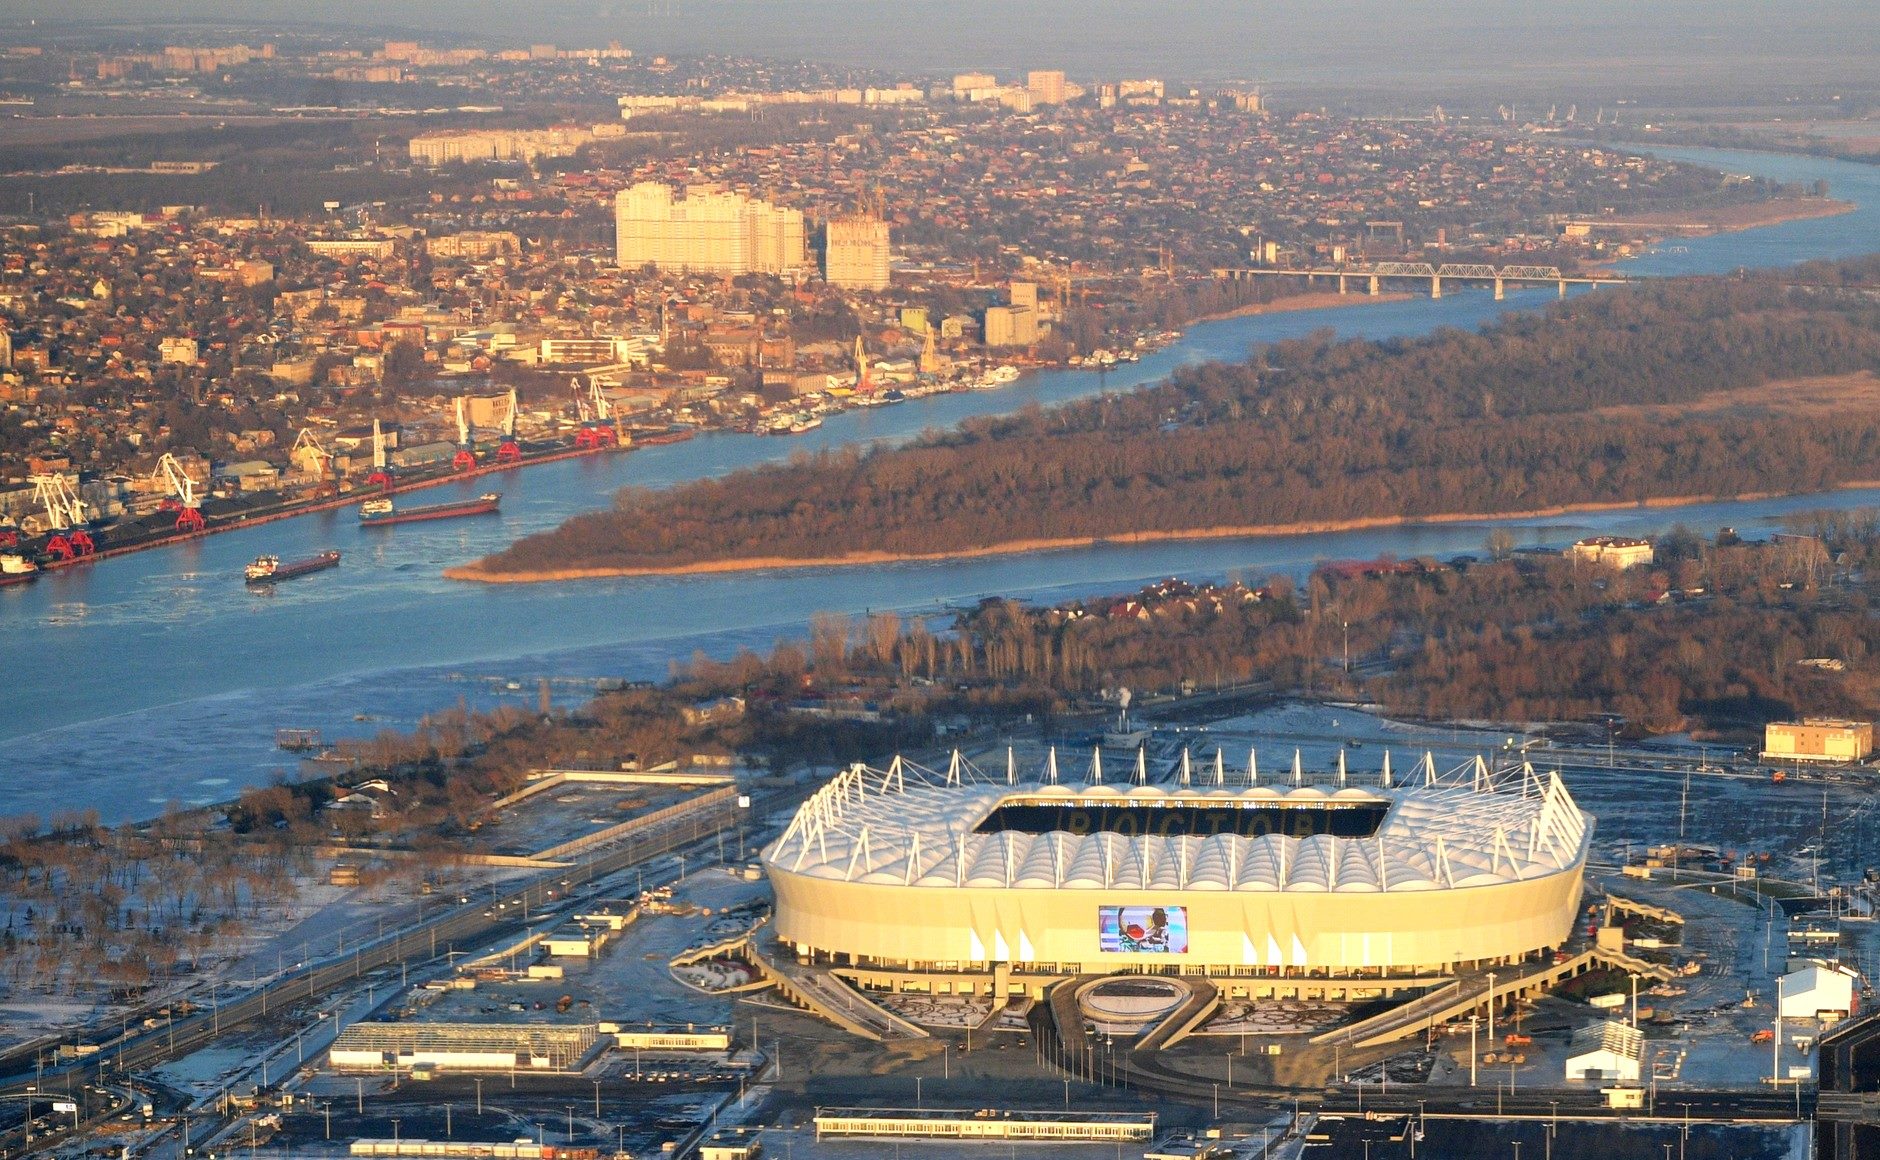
x=1225 y=875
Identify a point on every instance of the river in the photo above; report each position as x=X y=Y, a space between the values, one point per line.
x=159 y=677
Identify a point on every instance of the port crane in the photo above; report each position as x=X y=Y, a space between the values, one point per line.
x=381 y=476
x=597 y=420
x=508 y=451
x=65 y=516
x=308 y=452
x=182 y=499
x=466 y=457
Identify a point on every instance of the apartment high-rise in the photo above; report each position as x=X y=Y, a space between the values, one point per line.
x=856 y=255
x=1046 y=85
x=707 y=230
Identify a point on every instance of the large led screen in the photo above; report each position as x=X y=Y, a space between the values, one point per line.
x=1139 y=930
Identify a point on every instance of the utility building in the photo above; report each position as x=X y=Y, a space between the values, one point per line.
x=1606 y=1051
x=1816 y=990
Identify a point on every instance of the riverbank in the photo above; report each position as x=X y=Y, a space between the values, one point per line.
x=1730 y=219
x=1310 y=300
x=477 y=573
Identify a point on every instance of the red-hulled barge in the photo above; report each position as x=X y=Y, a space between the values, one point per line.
x=382 y=512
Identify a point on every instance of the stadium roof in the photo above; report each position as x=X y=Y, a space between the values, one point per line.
x=911 y=826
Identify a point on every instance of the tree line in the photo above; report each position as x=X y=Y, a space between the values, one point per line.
x=1528 y=413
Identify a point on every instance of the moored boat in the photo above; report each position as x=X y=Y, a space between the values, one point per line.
x=17 y=569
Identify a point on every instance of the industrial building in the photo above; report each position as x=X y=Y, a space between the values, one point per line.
x=855 y=252
x=374 y=1046
x=998 y=883
x=1011 y=326
x=1052 y=1127
x=708 y=230
x=1606 y=1052
x=1817 y=991
x=1817 y=739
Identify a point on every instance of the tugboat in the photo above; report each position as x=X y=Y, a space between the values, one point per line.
x=269 y=569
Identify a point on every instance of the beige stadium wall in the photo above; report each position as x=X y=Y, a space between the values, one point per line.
x=896 y=924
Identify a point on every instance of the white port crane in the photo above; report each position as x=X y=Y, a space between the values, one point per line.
x=314 y=459
x=381 y=476
x=507 y=449
x=63 y=507
x=65 y=515
x=183 y=498
x=466 y=457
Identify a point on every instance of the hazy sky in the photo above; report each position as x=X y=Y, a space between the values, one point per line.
x=1454 y=41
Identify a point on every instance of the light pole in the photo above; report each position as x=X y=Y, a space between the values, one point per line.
x=448 y=1134
x=597 y=1099
x=325 y=1106
x=1473 y=1057
x=1491 y=1008
x=479 y=1095
x=395 y=1123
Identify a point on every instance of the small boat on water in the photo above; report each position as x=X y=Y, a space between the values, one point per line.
x=269 y=569
x=17 y=569
x=382 y=512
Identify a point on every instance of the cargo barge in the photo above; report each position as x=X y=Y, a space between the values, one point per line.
x=268 y=570
x=382 y=512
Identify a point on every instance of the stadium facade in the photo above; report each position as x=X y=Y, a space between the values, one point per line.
x=1231 y=876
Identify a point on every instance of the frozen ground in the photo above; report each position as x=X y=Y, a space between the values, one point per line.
x=630 y=981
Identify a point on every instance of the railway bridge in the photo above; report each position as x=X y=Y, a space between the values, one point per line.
x=1372 y=275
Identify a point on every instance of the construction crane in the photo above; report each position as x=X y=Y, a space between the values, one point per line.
x=466 y=457
x=65 y=516
x=381 y=476
x=182 y=499
x=508 y=451
x=862 y=385
x=314 y=459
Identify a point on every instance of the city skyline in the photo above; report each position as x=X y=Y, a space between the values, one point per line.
x=1353 y=43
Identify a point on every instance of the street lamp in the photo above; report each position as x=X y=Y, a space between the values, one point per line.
x=1473 y=1057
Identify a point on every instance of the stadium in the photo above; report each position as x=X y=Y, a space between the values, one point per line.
x=1003 y=884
